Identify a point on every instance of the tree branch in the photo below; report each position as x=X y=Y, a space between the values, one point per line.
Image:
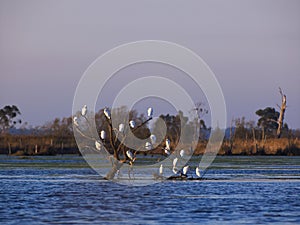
x=142 y=124
x=272 y=120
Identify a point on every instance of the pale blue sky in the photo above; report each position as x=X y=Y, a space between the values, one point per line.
x=252 y=46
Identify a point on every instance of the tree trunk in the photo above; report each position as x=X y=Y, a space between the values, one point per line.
x=254 y=140
x=262 y=133
x=9 y=149
x=281 y=115
x=116 y=166
x=20 y=143
x=231 y=139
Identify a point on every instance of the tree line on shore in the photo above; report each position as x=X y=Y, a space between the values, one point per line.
x=241 y=138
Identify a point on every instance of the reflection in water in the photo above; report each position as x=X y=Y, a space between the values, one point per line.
x=63 y=189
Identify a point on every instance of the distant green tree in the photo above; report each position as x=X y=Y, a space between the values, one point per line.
x=8 y=116
x=173 y=127
x=240 y=128
x=61 y=127
x=178 y=128
x=268 y=120
x=243 y=128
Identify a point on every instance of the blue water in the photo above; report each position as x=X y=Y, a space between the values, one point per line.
x=64 y=190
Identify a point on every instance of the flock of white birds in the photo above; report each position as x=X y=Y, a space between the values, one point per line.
x=148 y=145
x=185 y=169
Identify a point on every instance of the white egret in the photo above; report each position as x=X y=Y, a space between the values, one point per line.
x=150 y=112
x=129 y=155
x=102 y=134
x=131 y=123
x=175 y=162
x=175 y=170
x=121 y=127
x=153 y=138
x=167 y=151
x=107 y=113
x=84 y=110
x=182 y=153
x=168 y=144
x=161 y=169
x=98 y=145
x=198 y=172
x=185 y=170
x=75 y=121
x=148 y=145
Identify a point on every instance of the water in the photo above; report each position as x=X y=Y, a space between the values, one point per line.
x=64 y=190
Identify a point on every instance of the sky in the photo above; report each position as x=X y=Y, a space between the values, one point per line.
x=252 y=46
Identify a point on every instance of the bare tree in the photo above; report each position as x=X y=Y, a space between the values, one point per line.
x=199 y=122
x=281 y=114
x=270 y=120
x=125 y=136
x=114 y=139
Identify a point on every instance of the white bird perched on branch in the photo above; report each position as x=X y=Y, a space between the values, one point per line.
x=107 y=113
x=167 y=151
x=84 y=110
x=167 y=148
x=98 y=145
x=168 y=144
x=175 y=162
x=153 y=138
x=75 y=121
x=131 y=123
x=148 y=145
x=185 y=170
x=150 y=112
x=175 y=170
x=182 y=152
x=121 y=127
x=198 y=172
x=161 y=169
x=129 y=155
x=102 y=134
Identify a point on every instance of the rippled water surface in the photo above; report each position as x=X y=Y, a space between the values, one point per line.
x=64 y=190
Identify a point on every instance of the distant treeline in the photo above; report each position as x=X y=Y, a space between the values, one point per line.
x=242 y=138
x=51 y=145
x=37 y=145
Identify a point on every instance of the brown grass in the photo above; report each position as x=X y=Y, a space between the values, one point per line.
x=51 y=145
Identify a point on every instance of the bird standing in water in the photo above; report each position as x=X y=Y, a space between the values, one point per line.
x=161 y=169
x=84 y=110
x=198 y=172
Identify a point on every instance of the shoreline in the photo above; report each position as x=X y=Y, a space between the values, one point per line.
x=22 y=145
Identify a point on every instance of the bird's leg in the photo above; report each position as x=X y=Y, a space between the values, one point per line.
x=132 y=172
x=129 y=171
